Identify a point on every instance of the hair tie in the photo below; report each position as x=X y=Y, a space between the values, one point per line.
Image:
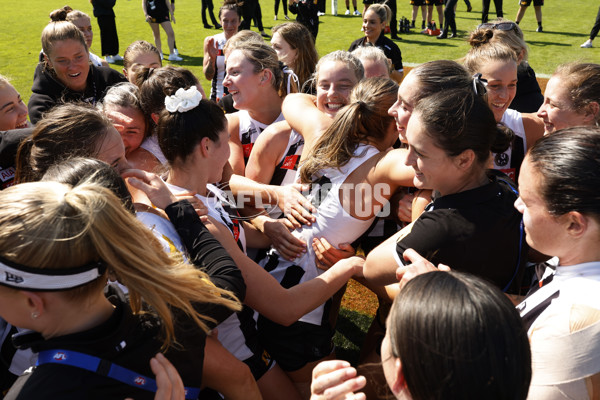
x=291 y=75
x=479 y=85
x=183 y=100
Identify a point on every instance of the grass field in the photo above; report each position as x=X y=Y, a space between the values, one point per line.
x=566 y=26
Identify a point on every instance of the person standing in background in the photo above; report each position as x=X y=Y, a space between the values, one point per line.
x=486 y=10
x=537 y=5
x=595 y=29
x=104 y=13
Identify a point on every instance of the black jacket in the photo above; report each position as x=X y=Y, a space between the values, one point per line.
x=49 y=91
x=9 y=144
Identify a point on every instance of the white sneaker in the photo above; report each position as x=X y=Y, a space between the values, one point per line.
x=320 y=14
x=176 y=52
x=275 y=18
x=110 y=59
x=174 y=57
x=347 y=12
x=117 y=57
x=587 y=44
x=357 y=13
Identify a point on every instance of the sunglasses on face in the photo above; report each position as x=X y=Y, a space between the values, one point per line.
x=502 y=26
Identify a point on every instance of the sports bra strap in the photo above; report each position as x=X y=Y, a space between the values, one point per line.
x=105 y=368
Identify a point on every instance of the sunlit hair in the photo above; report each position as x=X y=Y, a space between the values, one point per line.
x=372 y=53
x=300 y=38
x=57 y=31
x=67 y=130
x=135 y=49
x=364 y=120
x=460 y=120
x=582 y=81
x=458 y=337
x=513 y=38
x=483 y=51
x=383 y=11
x=350 y=61
x=178 y=133
x=262 y=56
x=49 y=225
x=568 y=162
x=240 y=38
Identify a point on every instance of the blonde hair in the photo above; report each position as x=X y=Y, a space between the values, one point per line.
x=48 y=225
x=483 y=51
x=345 y=57
x=240 y=38
x=383 y=11
x=513 y=38
x=364 y=120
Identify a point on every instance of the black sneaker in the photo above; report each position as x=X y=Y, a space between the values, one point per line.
x=539 y=29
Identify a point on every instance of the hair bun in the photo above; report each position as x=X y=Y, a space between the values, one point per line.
x=60 y=14
x=480 y=37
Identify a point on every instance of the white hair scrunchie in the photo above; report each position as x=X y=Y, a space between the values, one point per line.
x=183 y=100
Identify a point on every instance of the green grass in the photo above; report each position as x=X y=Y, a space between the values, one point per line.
x=566 y=24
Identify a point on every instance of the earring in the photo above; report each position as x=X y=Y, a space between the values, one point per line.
x=34 y=315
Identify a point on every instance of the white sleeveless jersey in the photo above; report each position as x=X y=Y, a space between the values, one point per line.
x=332 y=222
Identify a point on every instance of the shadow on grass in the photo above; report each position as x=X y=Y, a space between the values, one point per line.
x=571 y=34
x=542 y=43
x=350 y=334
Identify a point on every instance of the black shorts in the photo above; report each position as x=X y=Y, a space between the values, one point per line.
x=434 y=2
x=296 y=345
x=259 y=364
x=417 y=2
x=527 y=3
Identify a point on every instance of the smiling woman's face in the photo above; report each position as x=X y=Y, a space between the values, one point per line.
x=70 y=61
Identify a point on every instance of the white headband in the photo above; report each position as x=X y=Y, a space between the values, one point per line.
x=46 y=279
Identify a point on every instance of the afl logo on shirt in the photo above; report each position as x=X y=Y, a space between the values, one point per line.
x=59 y=356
